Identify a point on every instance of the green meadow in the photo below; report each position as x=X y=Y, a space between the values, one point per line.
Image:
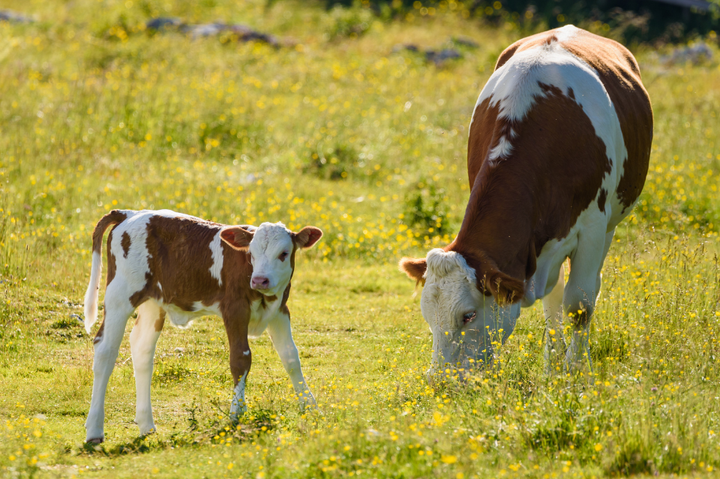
x=342 y=128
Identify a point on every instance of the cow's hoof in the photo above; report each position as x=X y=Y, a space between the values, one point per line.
x=96 y=441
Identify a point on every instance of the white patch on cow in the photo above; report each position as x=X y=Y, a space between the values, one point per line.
x=566 y=33
x=502 y=150
x=269 y=242
x=159 y=286
x=246 y=353
x=217 y=255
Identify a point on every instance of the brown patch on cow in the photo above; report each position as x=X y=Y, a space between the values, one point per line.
x=601 y=199
x=484 y=120
x=415 y=268
x=620 y=74
x=518 y=205
x=125 y=243
x=160 y=321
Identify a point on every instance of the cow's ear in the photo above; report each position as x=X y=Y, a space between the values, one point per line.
x=415 y=268
x=308 y=236
x=237 y=237
x=505 y=289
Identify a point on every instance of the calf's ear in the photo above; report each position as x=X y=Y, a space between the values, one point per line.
x=415 y=268
x=308 y=236
x=237 y=237
x=504 y=288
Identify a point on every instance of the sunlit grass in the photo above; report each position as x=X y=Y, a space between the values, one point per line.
x=345 y=134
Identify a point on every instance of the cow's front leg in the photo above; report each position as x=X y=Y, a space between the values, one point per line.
x=554 y=339
x=281 y=336
x=581 y=294
x=236 y=326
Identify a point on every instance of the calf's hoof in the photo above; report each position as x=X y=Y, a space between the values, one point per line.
x=96 y=441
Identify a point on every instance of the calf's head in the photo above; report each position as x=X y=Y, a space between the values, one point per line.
x=271 y=247
x=466 y=313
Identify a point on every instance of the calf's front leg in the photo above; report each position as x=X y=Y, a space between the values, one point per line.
x=236 y=326
x=281 y=336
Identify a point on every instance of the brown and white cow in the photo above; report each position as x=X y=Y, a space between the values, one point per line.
x=557 y=156
x=162 y=262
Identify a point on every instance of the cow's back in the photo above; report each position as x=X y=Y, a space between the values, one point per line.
x=619 y=72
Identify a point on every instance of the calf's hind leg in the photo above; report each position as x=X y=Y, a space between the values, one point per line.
x=107 y=344
x=143 y=339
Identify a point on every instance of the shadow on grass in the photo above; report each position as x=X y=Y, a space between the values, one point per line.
x=249 y=427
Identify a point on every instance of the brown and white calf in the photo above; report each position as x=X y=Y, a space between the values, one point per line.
x=166 y=263
x=558 y=152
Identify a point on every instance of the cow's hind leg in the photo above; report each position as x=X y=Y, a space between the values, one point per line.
x=554 y=340
x=143 y=339
x=107 y=344
x=581 y=294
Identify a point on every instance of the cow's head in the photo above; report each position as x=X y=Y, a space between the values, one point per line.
x=466 y=313
x=271 y=247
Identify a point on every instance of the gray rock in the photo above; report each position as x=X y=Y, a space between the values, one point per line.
x=14 y=17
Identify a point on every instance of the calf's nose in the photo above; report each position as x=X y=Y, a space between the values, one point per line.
x=260 y=282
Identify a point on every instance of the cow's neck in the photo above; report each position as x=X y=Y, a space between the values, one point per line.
x=498 y=225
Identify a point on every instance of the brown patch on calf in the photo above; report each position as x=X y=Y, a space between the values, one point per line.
x=112 y=264
x=113 y=218
x=99 y=334
x=160 y=321
x=125 y=243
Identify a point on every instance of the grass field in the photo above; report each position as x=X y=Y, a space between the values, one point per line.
x=339 y=129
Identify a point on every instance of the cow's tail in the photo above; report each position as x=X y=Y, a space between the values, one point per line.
x=91 y=296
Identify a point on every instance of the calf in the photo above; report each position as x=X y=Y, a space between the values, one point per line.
x=166 y=263
x=558 y=152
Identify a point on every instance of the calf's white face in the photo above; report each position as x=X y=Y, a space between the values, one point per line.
x=270 y=253
x=271 y=247
x=465 y=323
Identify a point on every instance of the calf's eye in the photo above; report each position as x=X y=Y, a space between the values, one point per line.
x=467 y=317
x=282 y=256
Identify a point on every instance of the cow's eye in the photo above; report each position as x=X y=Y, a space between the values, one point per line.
x=467 y=317
x=283 y=255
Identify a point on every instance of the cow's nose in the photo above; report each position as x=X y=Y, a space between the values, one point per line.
x=260 y=282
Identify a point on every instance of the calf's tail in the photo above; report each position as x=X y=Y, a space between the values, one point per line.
x=91 y=296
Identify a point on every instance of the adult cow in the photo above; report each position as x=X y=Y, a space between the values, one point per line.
x=164 y=263
x=557 y=156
